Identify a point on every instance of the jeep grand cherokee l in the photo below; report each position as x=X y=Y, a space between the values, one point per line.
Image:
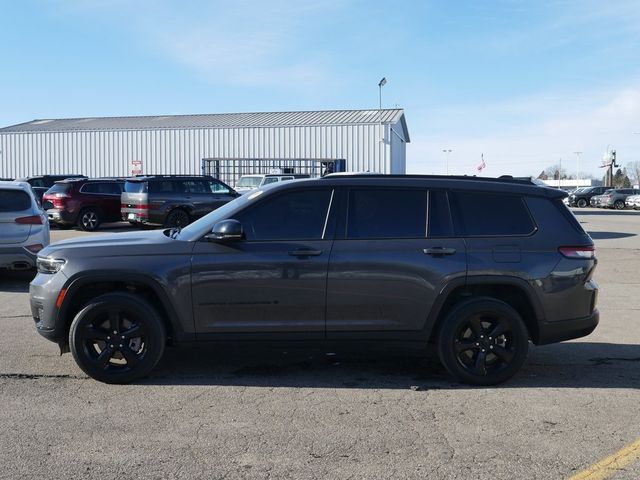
x=475 y=267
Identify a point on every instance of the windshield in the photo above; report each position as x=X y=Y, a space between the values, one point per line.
x=204 y=225
x=249 y=182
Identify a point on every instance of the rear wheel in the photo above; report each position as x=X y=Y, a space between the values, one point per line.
x=177 y=218
x=483 y=341
x=582 y=203
x=89 y=219
x=618 y=205
x=117 y=338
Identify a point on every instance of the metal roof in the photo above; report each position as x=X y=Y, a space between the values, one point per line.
x=217 y=120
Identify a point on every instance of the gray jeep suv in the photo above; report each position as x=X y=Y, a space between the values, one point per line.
x=475 y=267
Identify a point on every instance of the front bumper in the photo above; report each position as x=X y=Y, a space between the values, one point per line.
x=552 y=332
x=43 y=294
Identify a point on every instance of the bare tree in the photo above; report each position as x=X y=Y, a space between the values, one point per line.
x=633 y=170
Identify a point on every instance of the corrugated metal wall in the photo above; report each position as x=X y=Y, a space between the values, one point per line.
x=110 y=152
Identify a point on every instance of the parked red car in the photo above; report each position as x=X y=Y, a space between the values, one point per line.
x=87 y=202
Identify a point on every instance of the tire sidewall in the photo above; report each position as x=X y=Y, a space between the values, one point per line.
x=177 y=211
x=83 y=213
x=458 y=316
x=155 y=336
x=582 y=203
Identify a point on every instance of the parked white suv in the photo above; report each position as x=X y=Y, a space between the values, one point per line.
x=24 y=227
x=248 y=183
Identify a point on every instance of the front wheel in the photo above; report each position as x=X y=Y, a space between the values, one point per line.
x=618 y=205
x=117 y=338
x=582 y=203
x=483 y=341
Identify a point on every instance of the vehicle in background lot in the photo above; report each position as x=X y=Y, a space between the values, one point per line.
x=616 y=198
x=633 y=201
x=47 y=181
x=86 y=202
x=582 y=196
x=172 y=200
x=24 y=228
x=597 y=199
x=248 y=183
x=475 y=266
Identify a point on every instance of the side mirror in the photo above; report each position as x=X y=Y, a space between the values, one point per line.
x=225 y=230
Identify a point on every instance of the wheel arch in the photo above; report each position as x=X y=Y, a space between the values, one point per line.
x=83 y=288
x=514 y=291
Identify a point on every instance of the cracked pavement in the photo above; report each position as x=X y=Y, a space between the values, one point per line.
x=297 y=414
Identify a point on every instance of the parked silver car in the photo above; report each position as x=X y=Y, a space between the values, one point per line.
x=633 y=202
x=24 y=227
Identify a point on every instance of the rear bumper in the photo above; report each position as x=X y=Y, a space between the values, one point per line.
x=61 y=216
x=552 y=332
x=16 y=258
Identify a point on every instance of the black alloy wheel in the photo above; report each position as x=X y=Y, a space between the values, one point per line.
x=89 y=220
x=582 y=203
x=177 y=218
x=483 y=341
x=117 y=338
x=619 y=205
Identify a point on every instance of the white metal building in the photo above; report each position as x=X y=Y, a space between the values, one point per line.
x=369 y=140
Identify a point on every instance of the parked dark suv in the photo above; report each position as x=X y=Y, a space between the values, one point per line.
x=84 y=202
x=582 y=196
x=41 y=183
x=476 y=267
x=172 y=200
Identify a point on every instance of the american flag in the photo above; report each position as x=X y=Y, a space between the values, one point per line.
x=482 y=164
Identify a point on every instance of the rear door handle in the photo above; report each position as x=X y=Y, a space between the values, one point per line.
x=437 y=251
x=305 y=253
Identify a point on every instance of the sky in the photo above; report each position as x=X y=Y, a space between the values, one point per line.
x=524 y=83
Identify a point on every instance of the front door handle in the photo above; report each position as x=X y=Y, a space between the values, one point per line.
x=438 y=251
x=305 y=253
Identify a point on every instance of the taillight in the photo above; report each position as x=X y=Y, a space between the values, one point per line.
x=578 y=252
x=31 y=220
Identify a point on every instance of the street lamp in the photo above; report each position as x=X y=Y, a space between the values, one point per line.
x=381 y=84
x=446 y=152
x=577 y=168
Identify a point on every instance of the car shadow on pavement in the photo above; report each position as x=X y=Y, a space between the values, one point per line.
x=564 y=365
x=610 y=235
x=16 y=281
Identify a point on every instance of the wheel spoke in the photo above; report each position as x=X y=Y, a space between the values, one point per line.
x=130 y=356
x=105 y=355
x=479 y=367
x=133 y=331
x=500 y=328
x=505 y=355
x=93 y=333
x=476 y=326
x=464 y=346
x=114 y=320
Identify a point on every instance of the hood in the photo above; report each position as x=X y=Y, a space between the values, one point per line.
x=118 y=244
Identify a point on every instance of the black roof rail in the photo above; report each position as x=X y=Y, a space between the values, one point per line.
x=501 y=179
x=164 y=175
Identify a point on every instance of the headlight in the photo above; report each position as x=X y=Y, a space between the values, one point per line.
x=49 y=265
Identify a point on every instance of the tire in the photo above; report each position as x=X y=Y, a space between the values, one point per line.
x=89 y=219
x=483 y=341
x=582 y=203
x=140 y=334
x=177 y=218
x=619 y=205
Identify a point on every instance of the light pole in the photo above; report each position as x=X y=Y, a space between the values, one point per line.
x=446 y=152
x=381 y=84
x=578 y=168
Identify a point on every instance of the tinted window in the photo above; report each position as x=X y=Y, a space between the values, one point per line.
x=439 y=217
x=219 y=188
x=60 y=188
x=196 y=186
x=269 y=180
x=14 y=201
x=165 y=186
x=299 y=215
x=37 y=182
x=486 y=214
x=387 y=213
x=90 y=188
x=135 y=187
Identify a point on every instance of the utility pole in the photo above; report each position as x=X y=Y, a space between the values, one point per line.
x=446 y=152
x=577 y=168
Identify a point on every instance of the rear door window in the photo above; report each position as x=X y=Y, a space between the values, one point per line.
x=14 y=201
x=218 y=188
x=386 y=213
x=492 y=214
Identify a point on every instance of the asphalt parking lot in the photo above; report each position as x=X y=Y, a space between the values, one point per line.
x=274 y=414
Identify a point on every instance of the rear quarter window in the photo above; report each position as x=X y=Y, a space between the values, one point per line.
x=493 y=214
x=14 y=201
